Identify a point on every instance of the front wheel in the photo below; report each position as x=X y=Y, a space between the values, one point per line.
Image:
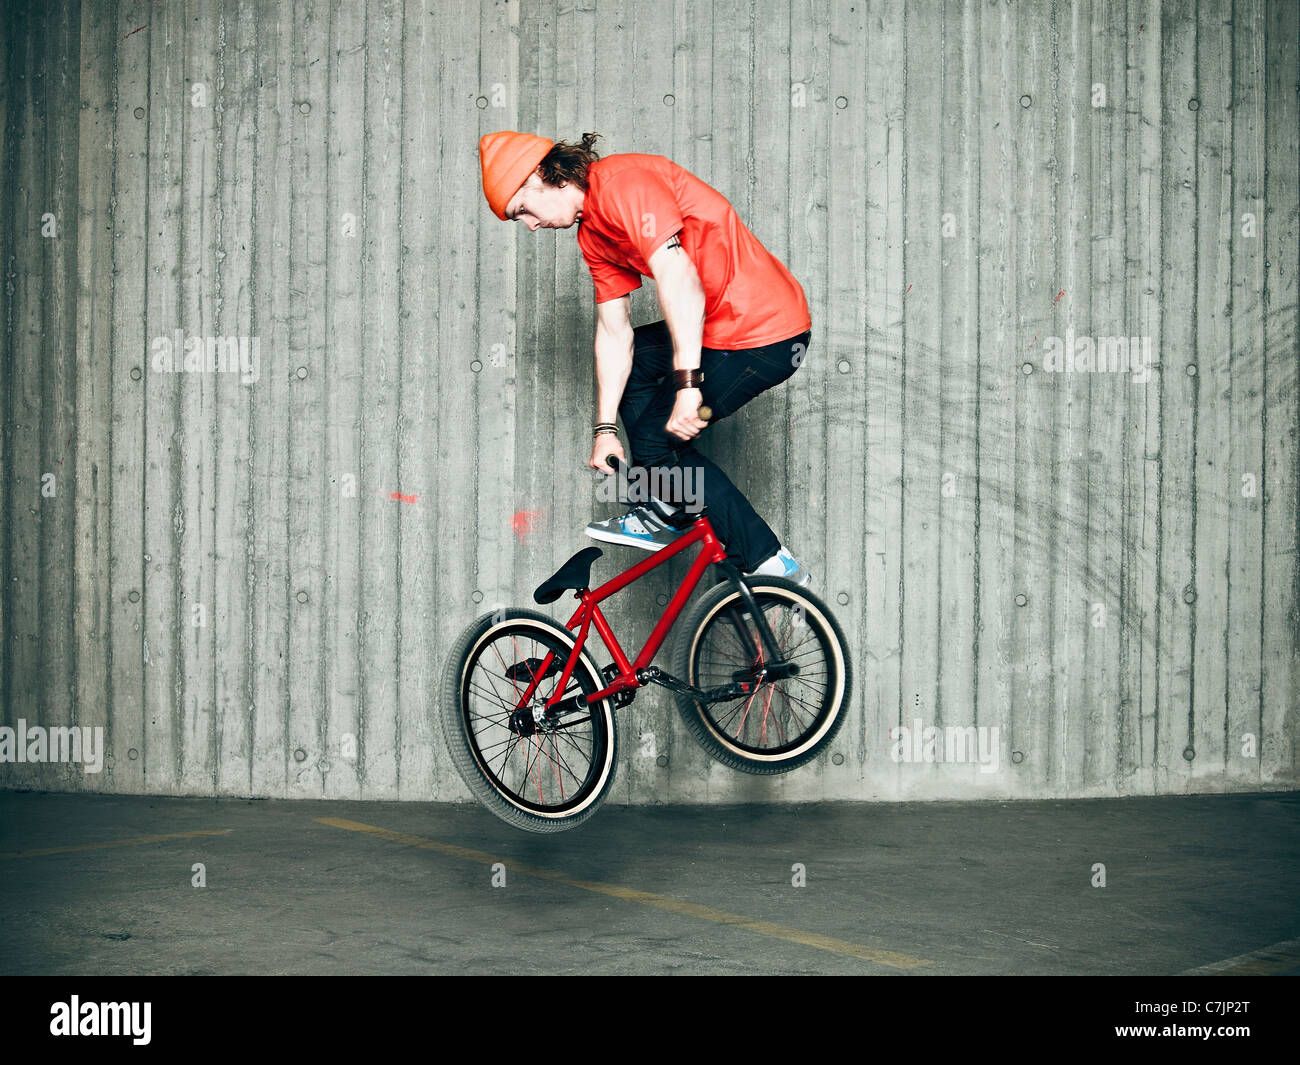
x=535 y=774
x=782 y=724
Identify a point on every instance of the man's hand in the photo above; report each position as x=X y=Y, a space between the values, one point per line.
x=685 y=423
x=602 y=447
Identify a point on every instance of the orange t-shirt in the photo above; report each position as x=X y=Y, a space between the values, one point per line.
x=635 y=202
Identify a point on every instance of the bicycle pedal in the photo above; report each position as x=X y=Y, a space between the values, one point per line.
x=527 y=669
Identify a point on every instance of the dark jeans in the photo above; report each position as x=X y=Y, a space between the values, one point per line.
x=731 y=379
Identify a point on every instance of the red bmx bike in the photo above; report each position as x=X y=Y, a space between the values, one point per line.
x=761 y=676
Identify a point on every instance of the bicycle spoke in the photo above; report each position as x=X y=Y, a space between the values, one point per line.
x=568 y=738
x=551 y=766
x=790 y=711
x=776 y=720
x=558 y=759
x=777 y=714
x=745 y=716
x=505 y=670
x=505 y=758
x=506 y=707
x=499 y=743
x=555 y=772
x=810 y=708
x=532 y=770
x=495 y=693
x=767 y=709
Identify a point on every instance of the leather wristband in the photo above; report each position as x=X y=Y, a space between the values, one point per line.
x=688 y=378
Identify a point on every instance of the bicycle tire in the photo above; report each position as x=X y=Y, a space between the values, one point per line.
x=470 y=763
x=712 y=609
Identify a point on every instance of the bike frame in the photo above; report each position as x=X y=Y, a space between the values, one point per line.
x=589 y=613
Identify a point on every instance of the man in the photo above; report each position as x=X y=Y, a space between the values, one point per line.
x=736 y=322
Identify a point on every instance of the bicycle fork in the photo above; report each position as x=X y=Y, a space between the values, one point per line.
x=776 y=667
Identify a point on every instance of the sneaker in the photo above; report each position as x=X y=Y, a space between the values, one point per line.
x=643 y=526
x=782 y=564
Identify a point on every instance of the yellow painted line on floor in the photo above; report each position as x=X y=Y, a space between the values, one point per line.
x=1267 y=961
x=138 y=841
x=645 y=898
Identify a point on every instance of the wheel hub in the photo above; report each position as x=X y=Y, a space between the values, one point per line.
x=524 y=720
x=531 y=719
x=767 y=674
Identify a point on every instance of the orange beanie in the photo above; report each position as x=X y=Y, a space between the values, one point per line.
x=507 y=158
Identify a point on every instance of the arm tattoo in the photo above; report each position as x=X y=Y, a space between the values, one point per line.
x=673 y=242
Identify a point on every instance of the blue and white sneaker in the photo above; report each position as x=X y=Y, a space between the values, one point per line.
x=643 y=526
x=782 y=564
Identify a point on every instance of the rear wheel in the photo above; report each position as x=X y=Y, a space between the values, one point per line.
x=538 y=775
x=785 y=723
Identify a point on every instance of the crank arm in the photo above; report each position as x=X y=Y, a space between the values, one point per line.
x=734 y=690
x=577 y=704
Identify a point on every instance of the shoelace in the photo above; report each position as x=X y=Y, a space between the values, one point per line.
x=647 y=525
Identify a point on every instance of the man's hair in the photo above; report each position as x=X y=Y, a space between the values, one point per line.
x=569 y=162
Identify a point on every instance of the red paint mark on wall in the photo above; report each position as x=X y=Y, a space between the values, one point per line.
x=1058 y=297
x=136 y=30
x=524 y=522
x=401 y=498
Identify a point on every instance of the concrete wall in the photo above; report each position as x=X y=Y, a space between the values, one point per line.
x=1105 y=569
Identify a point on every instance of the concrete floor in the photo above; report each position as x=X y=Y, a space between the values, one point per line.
x=908 y=889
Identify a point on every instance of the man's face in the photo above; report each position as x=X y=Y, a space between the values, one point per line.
x=542 y=206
